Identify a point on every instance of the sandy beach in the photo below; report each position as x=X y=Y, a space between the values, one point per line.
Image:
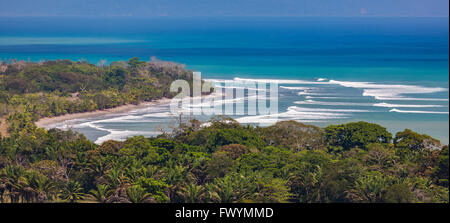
x=44 y=122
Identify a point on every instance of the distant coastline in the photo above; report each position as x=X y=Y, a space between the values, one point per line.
x=48 y=121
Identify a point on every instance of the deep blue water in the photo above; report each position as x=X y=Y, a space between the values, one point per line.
x=406 y=57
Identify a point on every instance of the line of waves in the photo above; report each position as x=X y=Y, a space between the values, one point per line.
x=417 y=112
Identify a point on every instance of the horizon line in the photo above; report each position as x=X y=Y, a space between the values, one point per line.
x=223 y=16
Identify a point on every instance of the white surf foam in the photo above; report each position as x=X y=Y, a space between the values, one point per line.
x=312 y=102
x=151 y=109
x=218 y=101
x=325 y=97
x=279 y=81
x=115 y=134
x=383 y=91
x=123 y=135
x=159 y=115
x=412 y=99
x=387 y=105
x=418 y=112
x=378 y=91
x=239 y=87
x=126 y=118
x=300 y=114
x=298 y=88
x=312 y=93
x=303 y=109
x=219 y=80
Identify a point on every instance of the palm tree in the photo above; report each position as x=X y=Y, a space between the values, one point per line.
x=174 y=176
x=44 y=188
x=137 y=194
x=10 y=179
x=192 y=193
x=98 y=167
x=225 y=190
x=24 y=188
x=72 y=192
x=35 y=187
x=210 y=193
x=369 y=188
x=115 y=177
x=101 y=194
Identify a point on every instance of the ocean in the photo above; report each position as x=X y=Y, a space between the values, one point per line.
x=387 y=70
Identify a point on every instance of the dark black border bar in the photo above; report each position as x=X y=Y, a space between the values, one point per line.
x=166 y=213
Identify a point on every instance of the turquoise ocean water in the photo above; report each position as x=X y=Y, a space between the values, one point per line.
x=390 y=71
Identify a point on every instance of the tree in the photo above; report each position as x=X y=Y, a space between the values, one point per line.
x=223 y=131
x=134 y=63
x=224 y=189
x=10 y=178
x=102 y=101
x=270 y=160
x=116 y=76
x=220 y=164
x=398 y=193
x=293 y=135
x=222 y=137
x=338 y=177
x=356 y=134
x=305 y=176
x=155 y=188
x=273 y=191
x=101 y=194
x=234 y=150
x=442 y=169
x=192 y=193
x=210 y=193
x=414 y=141
x=72 y=192
x=43 y=188
x=175 y=176
x=380 y=157
x=369 y=188
x=137 y=194
x=109 y=147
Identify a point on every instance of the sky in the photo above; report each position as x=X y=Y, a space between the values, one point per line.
x=142 y=8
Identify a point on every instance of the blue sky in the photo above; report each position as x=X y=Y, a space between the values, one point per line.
x=417 y=8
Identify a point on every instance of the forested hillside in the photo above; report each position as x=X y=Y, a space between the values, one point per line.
x=53 y=88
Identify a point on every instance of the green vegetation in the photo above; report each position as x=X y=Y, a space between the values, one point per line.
x=224 y=162
x=61 y=87
x=220 y=162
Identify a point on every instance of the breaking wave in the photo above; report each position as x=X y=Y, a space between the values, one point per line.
x=417 y=112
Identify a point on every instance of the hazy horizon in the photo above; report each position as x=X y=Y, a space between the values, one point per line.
x=193 y=8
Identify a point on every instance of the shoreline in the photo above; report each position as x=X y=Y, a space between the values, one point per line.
x=47 y=121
